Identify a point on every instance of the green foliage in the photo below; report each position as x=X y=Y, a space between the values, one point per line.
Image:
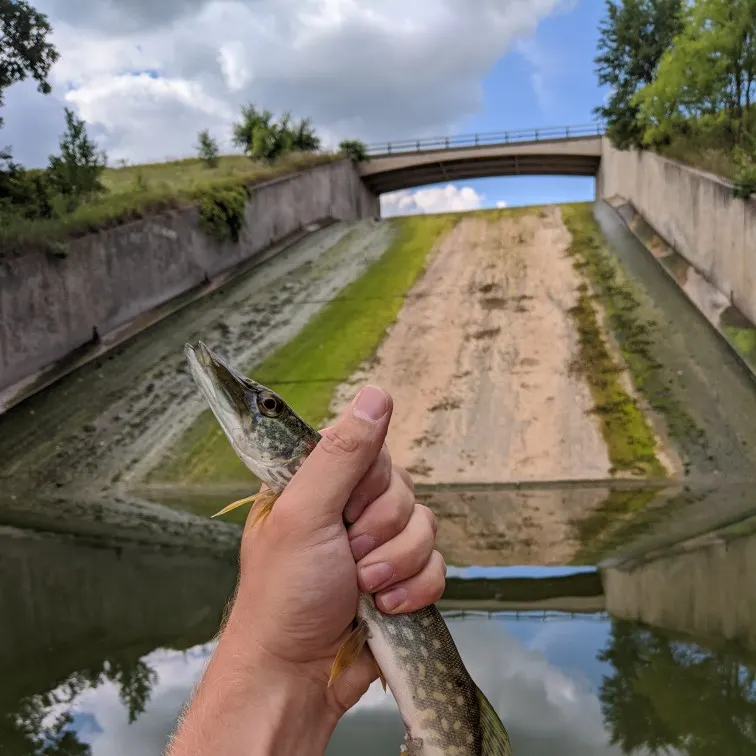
x=706 y=78
x=262 y=138
x=633 y=37
x=354 y=149
x=207 y=149
x=24 y=194
x=24 y=49
x=744 y=179
x=222 y=213
x=75 y=173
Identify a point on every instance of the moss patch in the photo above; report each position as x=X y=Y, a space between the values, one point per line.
x=308 y=369
x=744 y=341
x=634 y=334
x=630 y=440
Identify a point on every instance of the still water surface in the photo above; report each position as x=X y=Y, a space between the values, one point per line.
x=103 y=643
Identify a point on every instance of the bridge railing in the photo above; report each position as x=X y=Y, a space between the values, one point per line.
x=486 y=138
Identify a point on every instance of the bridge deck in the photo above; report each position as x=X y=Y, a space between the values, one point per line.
x=576 y=156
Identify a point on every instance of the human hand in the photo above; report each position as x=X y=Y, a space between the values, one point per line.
x=302 y=569
x=299 y=582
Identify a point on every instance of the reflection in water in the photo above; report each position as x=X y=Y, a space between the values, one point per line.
x=588 y=686
x=103 y=644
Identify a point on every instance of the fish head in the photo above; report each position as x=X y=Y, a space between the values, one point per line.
x=267 y=435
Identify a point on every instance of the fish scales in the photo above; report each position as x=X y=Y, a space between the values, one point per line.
x=443 y=710
x=434 y=692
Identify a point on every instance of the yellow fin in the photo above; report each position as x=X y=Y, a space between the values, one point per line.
x=264 y=499
x=264 y=505
x=236 y=504
x=349 y=652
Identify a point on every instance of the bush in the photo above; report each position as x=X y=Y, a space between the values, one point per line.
x=262 y=138
x=207 y=149
x=222 y=213
x=75 y=173
x=745 y=172
x=24 y=194
x=354 y=149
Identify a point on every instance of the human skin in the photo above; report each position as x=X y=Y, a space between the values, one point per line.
x=265 y=690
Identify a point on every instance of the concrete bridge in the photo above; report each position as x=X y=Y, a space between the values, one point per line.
x=566 y=151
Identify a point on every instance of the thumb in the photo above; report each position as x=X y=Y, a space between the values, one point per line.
x=347 y=449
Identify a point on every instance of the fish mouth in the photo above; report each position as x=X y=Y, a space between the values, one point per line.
x=225 y=389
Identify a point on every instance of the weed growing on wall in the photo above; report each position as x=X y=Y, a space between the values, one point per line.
x=222 y=213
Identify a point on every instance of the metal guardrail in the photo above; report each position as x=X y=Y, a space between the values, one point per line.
x=542 y=615
x=491 y=137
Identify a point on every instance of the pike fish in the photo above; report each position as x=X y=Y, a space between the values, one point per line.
x=443 y=710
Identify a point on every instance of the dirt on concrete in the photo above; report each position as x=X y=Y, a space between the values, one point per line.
x=490 y=528
x=479 y=361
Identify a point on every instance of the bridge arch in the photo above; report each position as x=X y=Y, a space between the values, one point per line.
x=567 y=151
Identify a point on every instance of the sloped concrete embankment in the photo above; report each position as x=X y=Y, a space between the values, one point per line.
x=696 y=214
x=49 y=305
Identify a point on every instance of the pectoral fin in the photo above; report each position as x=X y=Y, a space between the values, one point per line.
x=264 y=501
x=349 y=652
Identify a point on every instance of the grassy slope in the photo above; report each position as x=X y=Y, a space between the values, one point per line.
x=136 y=191
x=324 y=354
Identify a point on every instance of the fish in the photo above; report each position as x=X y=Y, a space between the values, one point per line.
x=443 y=710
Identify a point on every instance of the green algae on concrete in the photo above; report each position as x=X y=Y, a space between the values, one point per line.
x=633 y=332
x=630 y=440
x=308 y=369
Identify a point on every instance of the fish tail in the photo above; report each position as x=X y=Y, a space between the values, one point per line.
x=495 y=739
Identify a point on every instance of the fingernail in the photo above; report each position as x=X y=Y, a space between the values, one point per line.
x=355 y=507
x=392 y=599
x=361 y=546
x=370 y=404
x=375 y=575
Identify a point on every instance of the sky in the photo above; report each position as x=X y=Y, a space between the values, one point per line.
x=542 y=678
x=148 y=76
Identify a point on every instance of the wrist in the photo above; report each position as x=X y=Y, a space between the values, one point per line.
x=251 y=704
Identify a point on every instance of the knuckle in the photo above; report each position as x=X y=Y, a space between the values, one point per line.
x=339 y=443
x=430 y=517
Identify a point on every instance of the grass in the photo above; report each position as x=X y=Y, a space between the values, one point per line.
x=308 y=369
x=634 y=334
x=136 y=191
x=630 y=440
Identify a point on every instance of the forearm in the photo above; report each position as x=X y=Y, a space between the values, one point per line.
x=248 y=706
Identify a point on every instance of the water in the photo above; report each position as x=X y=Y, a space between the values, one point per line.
x=102 y=643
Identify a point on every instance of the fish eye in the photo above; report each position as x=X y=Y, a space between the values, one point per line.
x=270 y=405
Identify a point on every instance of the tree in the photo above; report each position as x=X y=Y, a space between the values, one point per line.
x=706 y=80
x=24 y=49
x=262 y=138
x=207 y=149
x=354 y=149
x=632 y=39
x=75 y=173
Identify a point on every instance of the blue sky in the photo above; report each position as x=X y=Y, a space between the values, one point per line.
x=547 y=80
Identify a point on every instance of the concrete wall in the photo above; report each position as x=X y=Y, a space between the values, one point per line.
x=696 y=214
x=49 y=305
x=706 y=591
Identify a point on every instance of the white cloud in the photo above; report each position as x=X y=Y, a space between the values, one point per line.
x=502 y=204
x=373 y=69
x=546 y=708
x=449 y=198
